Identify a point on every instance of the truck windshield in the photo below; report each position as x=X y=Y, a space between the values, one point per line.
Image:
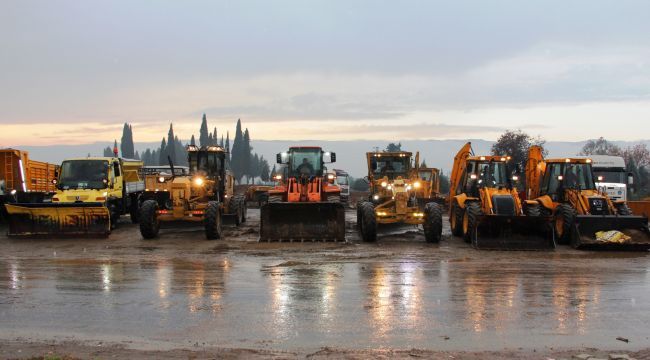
x=390 y=166
x=568 y=175
x=306 y=162
x=488 y=173
x=342 y=179
x=206 y=163
x=611 y=176
x=425 y=175
x=84 y=174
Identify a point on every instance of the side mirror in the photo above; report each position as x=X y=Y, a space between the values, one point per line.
x=332 y=157
x=329 y=157
x=282 y=158
x=630 y=179
x=56 y=174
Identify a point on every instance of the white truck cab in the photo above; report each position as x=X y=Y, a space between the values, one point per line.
x=611 y=176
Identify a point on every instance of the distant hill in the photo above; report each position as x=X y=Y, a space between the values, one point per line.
x=350 y=154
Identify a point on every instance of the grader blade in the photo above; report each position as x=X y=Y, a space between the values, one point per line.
x=84 y=219
x=591 y=233
x=302 y=222
x=505 y=232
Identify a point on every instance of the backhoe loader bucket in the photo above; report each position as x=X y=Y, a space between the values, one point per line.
x=633 y=226
x=58 y=219
x=302 y=222
x=506 y=232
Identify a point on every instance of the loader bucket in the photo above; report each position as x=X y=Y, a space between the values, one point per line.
x=65 y=219
x=506 y=232
x=633 y=226
x=302 y=222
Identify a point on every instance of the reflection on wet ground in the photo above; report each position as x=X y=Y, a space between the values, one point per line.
x=433 y=297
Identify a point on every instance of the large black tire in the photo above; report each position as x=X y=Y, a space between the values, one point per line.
x=244 y=208
x=149 y=224
x=368 y=223
x=623 y=210
x=471 y=221
x=456 y=220
x=360 y=205
x=532 y=210
x=213 y=220
x=237 y=210
x=564 y=223
x=134 y=210
x=114 y=214
x=432 y=222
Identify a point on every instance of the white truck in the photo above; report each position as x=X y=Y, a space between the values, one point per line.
x=611 y=176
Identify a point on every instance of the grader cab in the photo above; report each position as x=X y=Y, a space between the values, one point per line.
x=204 y=196
x=583 y=216
x=485 y=207
x=304 y=205
x=393 y=199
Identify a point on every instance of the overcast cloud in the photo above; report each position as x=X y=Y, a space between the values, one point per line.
x=302 y=68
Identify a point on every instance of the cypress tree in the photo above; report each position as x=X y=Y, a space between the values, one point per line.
x=247 y=156
x=162 y=158
x=171 y=145
x=126 y=144
x=203 y=133
x=236 y=158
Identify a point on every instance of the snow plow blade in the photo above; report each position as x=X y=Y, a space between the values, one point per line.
x=302 y=222
x=506 y=232
x=632 y=226
x=41 y=220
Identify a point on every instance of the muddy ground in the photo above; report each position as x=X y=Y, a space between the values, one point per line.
x=181 y=296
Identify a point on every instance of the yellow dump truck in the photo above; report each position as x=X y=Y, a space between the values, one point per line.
x=91 y=195
x=23 y=179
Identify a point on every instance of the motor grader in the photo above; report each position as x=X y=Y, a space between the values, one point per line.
x=393 y=199
x=303 y=205
x=583 y=216
x=91 y=195
x=485 y=208
x=204 y=196
x=430 y=186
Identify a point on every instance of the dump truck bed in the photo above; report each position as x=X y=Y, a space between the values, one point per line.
x=20 y=173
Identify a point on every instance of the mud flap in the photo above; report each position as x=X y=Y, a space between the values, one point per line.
x=505 y=232
x=58 y=219
x=636 y=227
x=302 y=222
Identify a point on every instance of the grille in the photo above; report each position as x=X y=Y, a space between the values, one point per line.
x=503 y=205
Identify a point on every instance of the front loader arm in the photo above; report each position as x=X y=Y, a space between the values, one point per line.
x=460 y=164
x=535 y=166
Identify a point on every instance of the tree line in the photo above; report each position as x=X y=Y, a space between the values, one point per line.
x=242 y=161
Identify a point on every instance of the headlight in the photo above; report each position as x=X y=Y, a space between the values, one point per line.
x=13 y=192
x=198 y=181
x=376 y=197
x=278 y=177
x=473 y=176
x=515 y=178
x=389 y=187
x=384 y=184
x=600 y=178
x=161 y=179
x=330 y=176
x=417 y=184
x=408 y=187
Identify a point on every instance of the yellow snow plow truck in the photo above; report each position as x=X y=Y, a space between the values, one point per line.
x=583 y=216
x=91 y=195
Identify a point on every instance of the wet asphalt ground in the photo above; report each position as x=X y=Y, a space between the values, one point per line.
x=181 y=291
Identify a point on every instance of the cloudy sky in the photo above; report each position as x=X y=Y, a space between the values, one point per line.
x=74 y=71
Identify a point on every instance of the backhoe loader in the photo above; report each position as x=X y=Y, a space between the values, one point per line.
x=303 y=205
x=394 y=189
x=204 y=196
x=91 y=195
x=485 y=207
x=582 y=215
